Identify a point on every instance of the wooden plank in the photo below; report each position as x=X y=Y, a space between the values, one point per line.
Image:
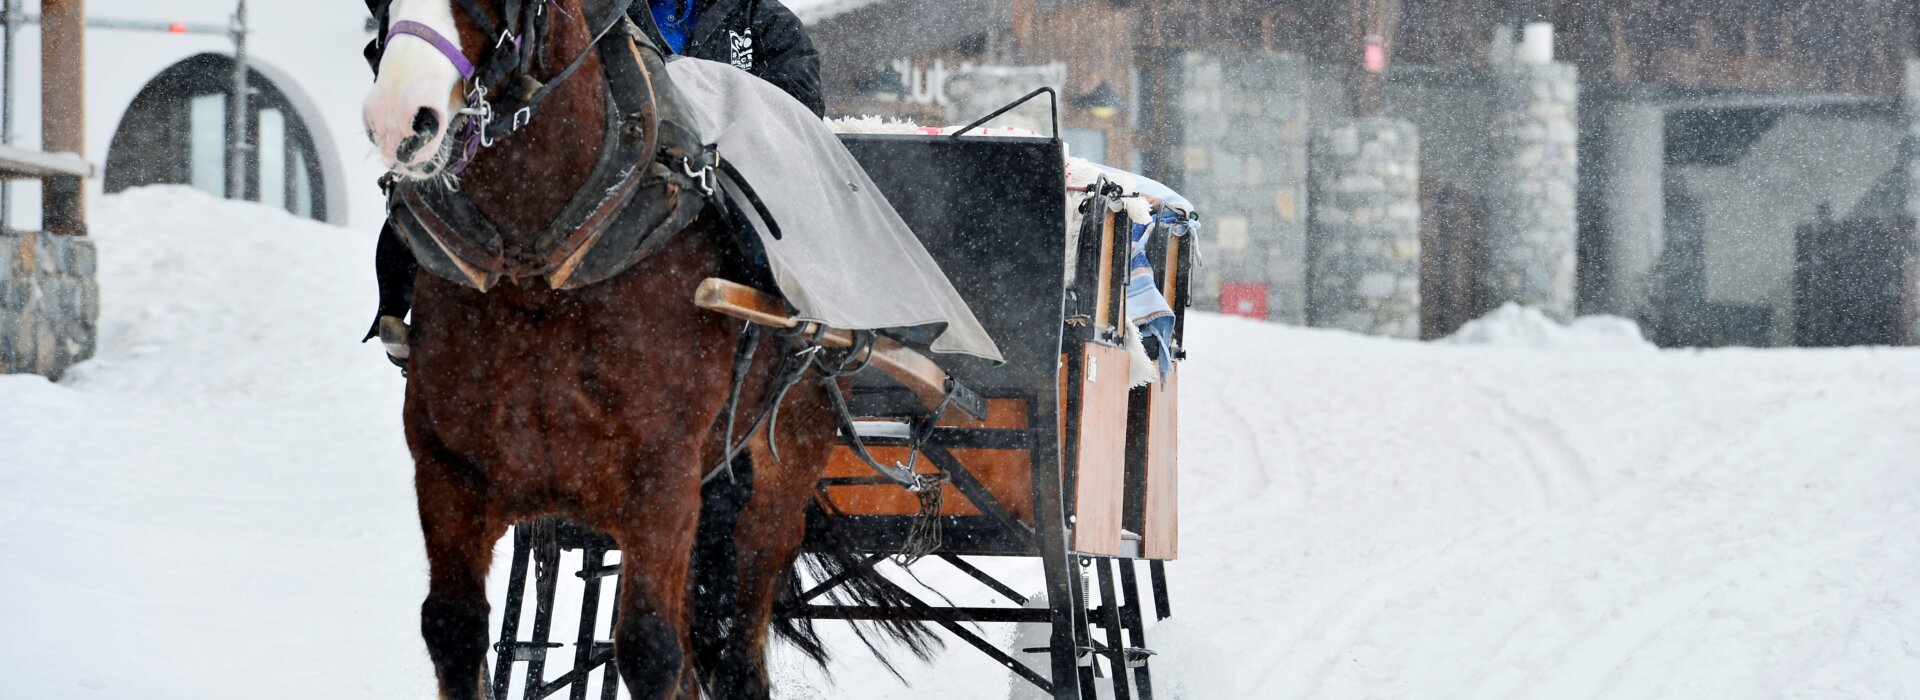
x=1170 y=277
x=1006 y=474
x=63 y=110
x=1161 y=534
x=1000 y=471
x=912 y=369
x=1100 y=469
x=1104 y=302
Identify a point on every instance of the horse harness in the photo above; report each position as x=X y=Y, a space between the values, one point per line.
x=653 y=175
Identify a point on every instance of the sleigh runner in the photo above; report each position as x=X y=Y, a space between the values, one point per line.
x=1050 y=457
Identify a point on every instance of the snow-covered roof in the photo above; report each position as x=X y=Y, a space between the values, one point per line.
x=811 y=11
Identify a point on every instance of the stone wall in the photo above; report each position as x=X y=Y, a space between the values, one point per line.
x=48 y=302
x=1364 y=263
x=1238 y=145
x=1531 y=220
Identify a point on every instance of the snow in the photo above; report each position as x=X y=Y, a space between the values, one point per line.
x=1513 y=325
x=812 y=11
x=220 y=505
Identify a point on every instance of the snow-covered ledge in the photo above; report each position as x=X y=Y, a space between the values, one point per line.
x=17 y=162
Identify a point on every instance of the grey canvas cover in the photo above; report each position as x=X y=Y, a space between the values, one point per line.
x=844 y=257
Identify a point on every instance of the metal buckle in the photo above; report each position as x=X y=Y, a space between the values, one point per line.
x=481 y=110
x=475 y=92
x=704 y=175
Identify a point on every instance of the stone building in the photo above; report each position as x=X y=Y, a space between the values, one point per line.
x=1738 y=172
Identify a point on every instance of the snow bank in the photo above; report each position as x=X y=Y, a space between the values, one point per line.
x=220 y=506
x=1516 y=326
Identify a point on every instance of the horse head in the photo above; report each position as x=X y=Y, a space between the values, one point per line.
x=456 y=74
x=419 y=86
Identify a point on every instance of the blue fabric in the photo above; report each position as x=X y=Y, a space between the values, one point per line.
x=675 y=29
x=1148 y=308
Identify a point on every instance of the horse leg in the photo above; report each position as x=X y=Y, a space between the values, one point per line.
x=460 y=537
x=757 y=556
x=716 y=574
x=656 y=536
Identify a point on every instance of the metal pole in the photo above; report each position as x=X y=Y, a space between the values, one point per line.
x=139 y=25
x=12 y=31
x=237 y=146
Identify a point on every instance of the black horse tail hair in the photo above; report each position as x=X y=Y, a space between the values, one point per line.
x=858 y=585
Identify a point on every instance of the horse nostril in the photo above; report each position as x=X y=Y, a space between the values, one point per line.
x=426 y=124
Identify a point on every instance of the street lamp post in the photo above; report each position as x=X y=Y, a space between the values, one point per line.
x=237 y=146
x=10 y=18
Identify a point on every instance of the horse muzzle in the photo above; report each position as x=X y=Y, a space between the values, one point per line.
x=408 y=116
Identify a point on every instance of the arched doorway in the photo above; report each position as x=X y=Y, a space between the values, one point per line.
x=175 y=130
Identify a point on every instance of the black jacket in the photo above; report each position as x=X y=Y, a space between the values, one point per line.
x=762 y=37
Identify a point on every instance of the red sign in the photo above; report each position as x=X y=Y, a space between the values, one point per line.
x=1375 y=59
x=1243 y=299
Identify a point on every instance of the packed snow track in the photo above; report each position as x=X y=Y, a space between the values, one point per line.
x=220 y=504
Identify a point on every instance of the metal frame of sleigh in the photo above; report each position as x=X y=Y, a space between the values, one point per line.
x=1051 y=457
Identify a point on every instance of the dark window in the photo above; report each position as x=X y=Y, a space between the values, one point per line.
x=175 y=132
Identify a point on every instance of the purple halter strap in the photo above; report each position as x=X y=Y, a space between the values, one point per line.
x=427 y=34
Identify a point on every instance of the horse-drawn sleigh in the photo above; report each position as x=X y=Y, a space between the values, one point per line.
x=582 y=373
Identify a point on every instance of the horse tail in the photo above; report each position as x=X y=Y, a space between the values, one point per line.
x=833 y=558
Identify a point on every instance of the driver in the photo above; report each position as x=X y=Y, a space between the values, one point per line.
x=761 y=37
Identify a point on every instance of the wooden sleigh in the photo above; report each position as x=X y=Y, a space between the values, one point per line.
x=1067 y=469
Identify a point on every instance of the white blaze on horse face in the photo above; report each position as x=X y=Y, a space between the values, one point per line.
x=415 y=81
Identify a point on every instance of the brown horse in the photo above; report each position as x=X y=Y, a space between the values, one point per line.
x=603 y=404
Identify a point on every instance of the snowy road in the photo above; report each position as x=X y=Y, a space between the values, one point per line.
x=220 y=506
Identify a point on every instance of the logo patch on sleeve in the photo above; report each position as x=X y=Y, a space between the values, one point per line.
x=742 y=44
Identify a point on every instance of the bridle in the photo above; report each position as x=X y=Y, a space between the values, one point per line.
x=505 y=72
